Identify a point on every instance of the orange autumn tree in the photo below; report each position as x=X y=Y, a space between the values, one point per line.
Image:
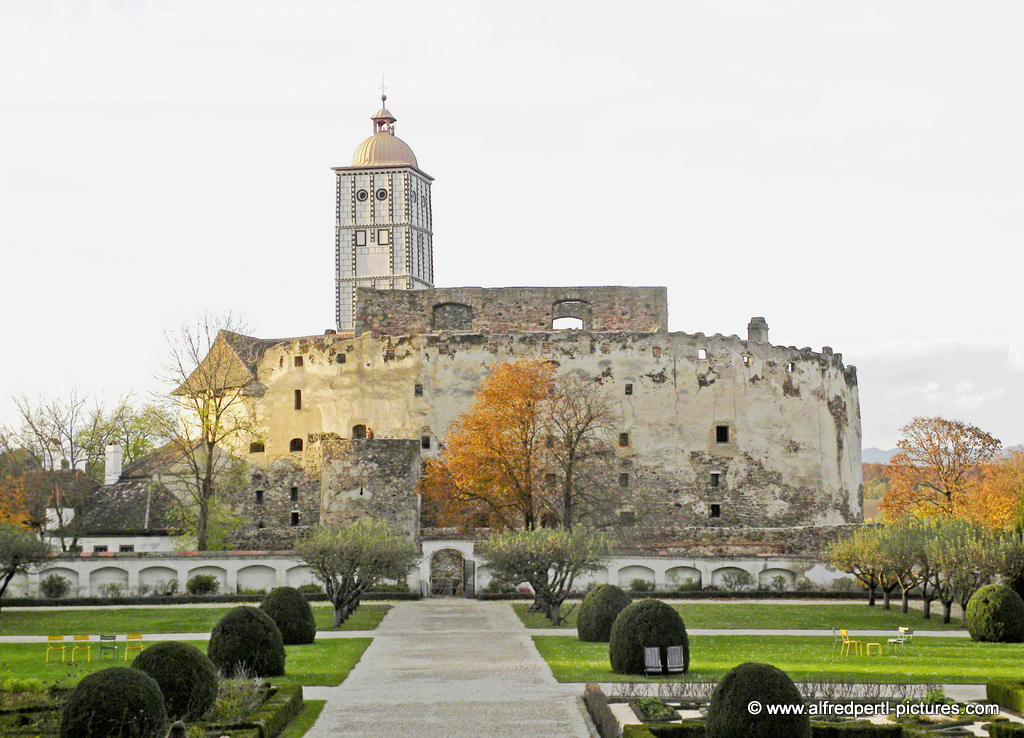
x=13 y=507
x=996 y=497
x=491 y=466
x=937 y=469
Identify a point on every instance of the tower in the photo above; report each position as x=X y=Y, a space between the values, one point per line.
x=383 y=229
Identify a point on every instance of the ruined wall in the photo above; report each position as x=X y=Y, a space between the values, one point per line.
x=790 y=454
x=371 y=478
x=498 y=310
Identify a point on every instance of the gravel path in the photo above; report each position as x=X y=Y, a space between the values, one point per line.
x=450 y=668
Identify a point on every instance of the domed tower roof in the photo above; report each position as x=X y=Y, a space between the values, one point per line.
x=384 y=148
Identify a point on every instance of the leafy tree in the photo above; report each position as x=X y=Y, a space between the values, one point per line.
x=207 y=367
x=351 y=559
x=532 y=448
x=20 y=553
x=964 y=556
x=997 y=496
x=549 y=559
x=860 y=555
x=13 y=503
x=937 y=462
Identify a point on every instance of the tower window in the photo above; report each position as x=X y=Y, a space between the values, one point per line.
x=382 y=194
x=256 y=447
x=418 y=390
x=424 y=441
x=295 y=519
x=298 y=361
x=360 y=238
x=747 y=361
x=340 y=358
x=383 y=237
x=259 y=497
x=721 y=434
x=298 y=399
x=295 y=444
x=716 y=479
x=623 y=439
x=295 y=494
x=624 y=480
x=702 y=353
x=716 y=511
x=629 y=389
x=362 y=195
x=791 y=366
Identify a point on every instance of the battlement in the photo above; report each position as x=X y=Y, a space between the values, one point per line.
x=504 y=309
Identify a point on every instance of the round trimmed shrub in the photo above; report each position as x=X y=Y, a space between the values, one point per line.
x=290 y=610
x=598 y=612
x=729 y=714
x=246 y=639
x=114 y=703
x=187 y=678
x=642 y=625
x=995 y=613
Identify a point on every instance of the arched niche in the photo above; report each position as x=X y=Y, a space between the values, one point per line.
x=571 y=314
x=452 y=316
x=447 y=569
x=628 y=573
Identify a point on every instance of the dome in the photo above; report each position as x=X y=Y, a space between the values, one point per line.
x=384 y=150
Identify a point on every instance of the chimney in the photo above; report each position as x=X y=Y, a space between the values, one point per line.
x=757 y=330
x=112 y=469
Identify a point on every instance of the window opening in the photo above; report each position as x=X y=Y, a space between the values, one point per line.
x=256 y=447
x=99 y=549
x=295 y=519
x=298 y=361
x=702 y=353
x=791 y=366
x=623 y=439
x=359 y=431
x=716 y=511
x=418 y=390
x=567 y=324
x=298 y=399
x=747 y=360
x=715 y=479
x=629 y=389
x=340 y=358
x=126 y=549
x=259 y=497
x=360 y=238
x=295 y=494
x=295 y=444
x=425 y=442
x=722 y=433
x=624 y=480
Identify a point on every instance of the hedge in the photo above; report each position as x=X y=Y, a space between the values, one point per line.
x=1006 y=694
x=281 y=706
x=853 y=729
x=1005 y=729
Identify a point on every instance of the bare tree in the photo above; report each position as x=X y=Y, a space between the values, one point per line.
x=209 y=373
x=578 y=419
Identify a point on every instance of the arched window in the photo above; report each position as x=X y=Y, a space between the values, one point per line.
x=359 y=431
x=295 y=444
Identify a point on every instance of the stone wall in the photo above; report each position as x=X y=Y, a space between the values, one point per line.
x=499 y=310
x=790 y=454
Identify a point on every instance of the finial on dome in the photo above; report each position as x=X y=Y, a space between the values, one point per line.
x=383 y=121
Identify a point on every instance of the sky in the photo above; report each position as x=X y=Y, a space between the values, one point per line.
x=852 y=171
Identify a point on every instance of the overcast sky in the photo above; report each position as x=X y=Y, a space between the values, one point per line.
x=851 y=171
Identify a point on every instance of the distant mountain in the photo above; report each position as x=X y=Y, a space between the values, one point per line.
x=877 y=455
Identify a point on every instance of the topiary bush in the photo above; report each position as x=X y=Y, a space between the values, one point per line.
x=995 y=613
x=114 y=703
x=642 y=625
x=598 y=611
x=729 y=714
x=246 y=638
x=290 y=610
x=187 y=678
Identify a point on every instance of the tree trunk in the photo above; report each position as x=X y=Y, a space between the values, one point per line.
x=871 y=597
x=905 y=607
x=554 y=614
x=338 y=619
x=947 y=608
x=927 y=607
x=886 y=598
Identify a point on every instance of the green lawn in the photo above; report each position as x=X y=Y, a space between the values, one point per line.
x=805 y=658
x=777 y=615
x=183 y=619
x=324 y=663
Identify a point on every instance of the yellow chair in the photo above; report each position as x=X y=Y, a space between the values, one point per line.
x=56 y=643
x=133 y=641
x=847 y=643
x=82 y=644
x=876 y=646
